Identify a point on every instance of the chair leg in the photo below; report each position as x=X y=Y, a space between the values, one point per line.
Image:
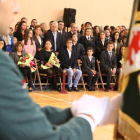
x=102 y=82
x=82 y=79
x=35 y=76
x=39 y=80
x=97 y=86
x=60 y=82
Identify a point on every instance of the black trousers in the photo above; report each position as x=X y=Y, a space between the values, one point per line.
x=26 y=72
x=109 y=76
x=52 y=74
x=91 y=80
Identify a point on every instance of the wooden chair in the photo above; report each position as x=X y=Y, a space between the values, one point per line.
x=101 y=79
x=38 y=74
x=82 y=79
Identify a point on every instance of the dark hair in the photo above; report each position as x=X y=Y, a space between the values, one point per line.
x=112 y=28
x=110 y=42
x=4 y=47
x=23 y=18
x=113 y=37
x=120 y=49
x=17 y=44
x=37 y=26
x=47 y=41
x=69 y=39
x=33 y=20
x=90 y=48
x=60 y=21
x=11 y=28
x=74 y=34
x=26 y=37
x=88 y=23
x=19 y=26
x=100 y=33
x=106 y=27
x=125 y=36
x=94 y=31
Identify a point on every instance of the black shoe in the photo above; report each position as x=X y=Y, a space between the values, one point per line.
x=58 y=88
x=116 y=88
x=75 y=89
x=30 y=90
x=106 y=90
x=89 y=89
x=93 y=89
x=69 y=89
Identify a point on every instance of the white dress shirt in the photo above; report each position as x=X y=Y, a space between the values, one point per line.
x=69 y=52
x=88 y=37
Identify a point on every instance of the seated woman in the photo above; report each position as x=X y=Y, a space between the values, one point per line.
x=29 y=44
x=2 y=45
x=88 y=67
x=25 y=70
x=120 y=57
x=52 y=71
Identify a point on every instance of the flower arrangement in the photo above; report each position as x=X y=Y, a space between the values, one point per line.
x=53 y=61
x=27 y=60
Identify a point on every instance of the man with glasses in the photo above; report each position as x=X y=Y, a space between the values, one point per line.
x=68 y=62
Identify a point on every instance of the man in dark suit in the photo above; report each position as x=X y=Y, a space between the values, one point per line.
x=88 y=67
x=78 y=48
x=68 y=62
x=61 y=30
x=55 y=37
x=87 y=40
x=33 y=24
x=107 y=35
x=74 y=29
x=109 y=65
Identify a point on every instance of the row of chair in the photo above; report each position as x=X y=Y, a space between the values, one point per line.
x=38 y=75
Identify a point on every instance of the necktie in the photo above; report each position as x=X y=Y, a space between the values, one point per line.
x=88 y=38
x=55 y=46
x=110 y=54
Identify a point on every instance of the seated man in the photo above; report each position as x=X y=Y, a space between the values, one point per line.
x=109 y=65
x=78 y=48
x=68 y=62
x=88 y=67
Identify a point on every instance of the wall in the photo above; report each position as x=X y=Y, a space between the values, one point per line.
x=99 y=12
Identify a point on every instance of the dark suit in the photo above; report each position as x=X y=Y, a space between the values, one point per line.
x=107 y=64
x=38 y=45
x=66 y=62
x=87 y=66
x=33 y=29
x=100 y=47
x=79 y=50
x=69 y=35
x=64 y=34
x=59 y=41
x=87 y=43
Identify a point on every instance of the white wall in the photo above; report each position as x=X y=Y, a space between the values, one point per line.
x=99 y=12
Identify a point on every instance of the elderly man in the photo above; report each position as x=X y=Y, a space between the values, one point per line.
x=55 y=37
x=73 y=30
x=22 y=119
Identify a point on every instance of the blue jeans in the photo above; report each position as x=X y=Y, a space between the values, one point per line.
x=78 y=74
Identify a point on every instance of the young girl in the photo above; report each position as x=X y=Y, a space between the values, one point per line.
x=29 y=44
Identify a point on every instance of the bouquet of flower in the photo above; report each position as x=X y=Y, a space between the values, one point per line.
x=27 y=61
x=53 y=61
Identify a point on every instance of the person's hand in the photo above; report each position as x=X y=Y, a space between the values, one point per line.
x=73 y=71
x=22 y=65
x=114 y=71
x=93 y=71
x=49 y=65
x=39 y=49
x=57 y=53
x=90 y=105
x=8 y=53
x=79 y=61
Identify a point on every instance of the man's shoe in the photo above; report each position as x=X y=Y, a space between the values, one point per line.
x=75 y=89
x=116 y=88
x=69 y=89
x=89 y=89
x=58 y=88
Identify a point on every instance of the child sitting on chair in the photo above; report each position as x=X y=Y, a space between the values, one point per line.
x=88 y=67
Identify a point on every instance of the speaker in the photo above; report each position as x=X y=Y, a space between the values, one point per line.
x=69 y=16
